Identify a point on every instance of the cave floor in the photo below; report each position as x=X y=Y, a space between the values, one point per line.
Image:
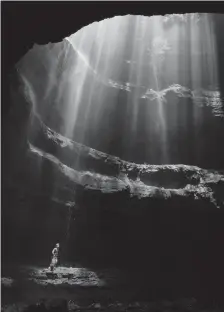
x=83 y=290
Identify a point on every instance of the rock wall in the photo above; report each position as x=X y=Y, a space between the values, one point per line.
x=193 y=123
x=155 y=219
x=123 y=214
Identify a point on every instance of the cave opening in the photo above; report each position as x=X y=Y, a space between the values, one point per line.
x=108 y=133
x=144 y=89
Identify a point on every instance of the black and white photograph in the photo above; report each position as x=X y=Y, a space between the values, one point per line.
x=112 y=156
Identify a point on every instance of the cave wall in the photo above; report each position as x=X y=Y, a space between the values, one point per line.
x=99 y=125
x=24 y=36
x=150 y=235
x=208 y=153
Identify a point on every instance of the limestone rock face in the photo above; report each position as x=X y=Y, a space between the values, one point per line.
x=100 y=82
x=104 y=210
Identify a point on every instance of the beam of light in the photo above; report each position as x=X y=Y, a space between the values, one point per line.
x=138 y=66
x=72 y=86
x=111 y=39
x=195 y=43
x=81 y=56
x=28 y=92
x=52 y=66
x=196 y=69
x=161 y=42
x=101 y=53
x=134 y=78
x=94 y=85
x=159 y=46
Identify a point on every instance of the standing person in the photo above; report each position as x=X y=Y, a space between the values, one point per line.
x=54 y=259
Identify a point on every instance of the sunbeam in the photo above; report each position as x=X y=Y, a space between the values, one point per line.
x=127 y=83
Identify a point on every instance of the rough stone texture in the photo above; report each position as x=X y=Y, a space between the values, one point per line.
x=50 y=68
x=107 y=211
x=166 y=222
x=61 y=305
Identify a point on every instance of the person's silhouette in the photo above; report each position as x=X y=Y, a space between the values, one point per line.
x=54 y=259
